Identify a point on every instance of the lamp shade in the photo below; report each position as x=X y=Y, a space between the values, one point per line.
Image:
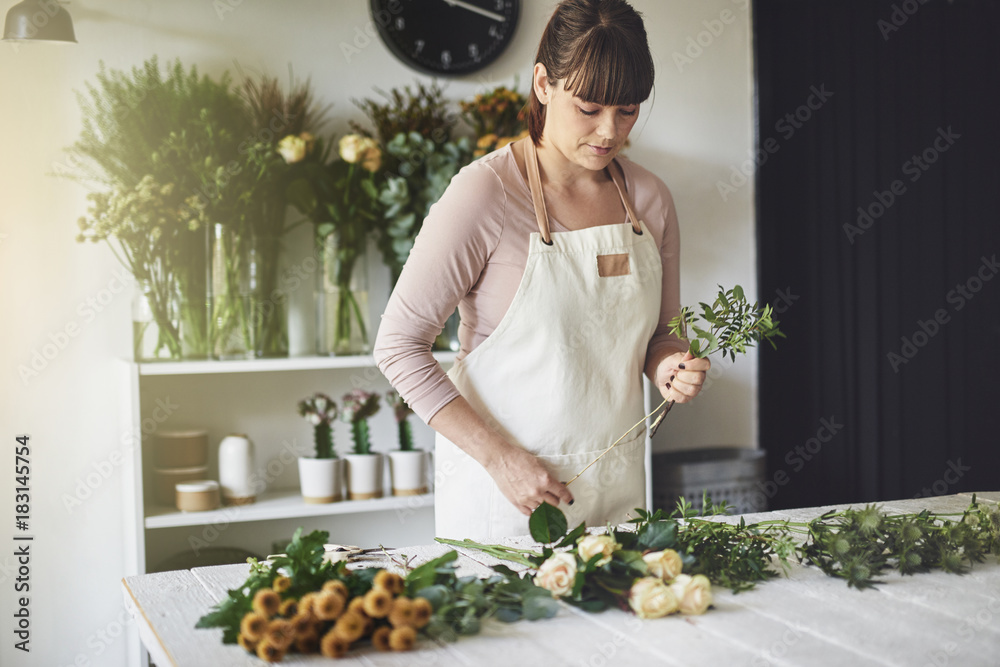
x=39 y=20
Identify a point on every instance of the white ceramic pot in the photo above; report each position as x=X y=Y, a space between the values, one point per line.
x=364 y=476
x=409 y=472
x=321 y=480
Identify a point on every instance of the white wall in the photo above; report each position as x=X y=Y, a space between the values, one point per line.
x=698 y=127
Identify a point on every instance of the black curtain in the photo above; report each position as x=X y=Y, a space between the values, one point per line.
x=878 y=242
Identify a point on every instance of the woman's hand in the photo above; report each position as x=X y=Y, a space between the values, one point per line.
x=522 y=478
x=524 y=481
x=680 y=377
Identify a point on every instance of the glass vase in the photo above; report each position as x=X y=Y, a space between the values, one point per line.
x=190 y=276
x=342 y=296
x=230 y=326
x=269 y=315
x=154 y=324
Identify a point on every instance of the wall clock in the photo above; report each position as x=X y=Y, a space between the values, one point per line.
x=446 y=37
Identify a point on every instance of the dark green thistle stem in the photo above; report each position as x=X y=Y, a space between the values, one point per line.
x=405 y=436
x=359 y=431
x=324 y=441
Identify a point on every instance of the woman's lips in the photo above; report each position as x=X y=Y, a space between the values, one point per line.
x=598 y=150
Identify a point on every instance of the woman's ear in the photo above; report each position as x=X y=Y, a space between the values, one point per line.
x=540 y=81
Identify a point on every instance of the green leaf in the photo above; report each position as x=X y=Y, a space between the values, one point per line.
x=659 y=535
x=425 y=575
x=547 y=524
x=573 y=535
x=540 y=606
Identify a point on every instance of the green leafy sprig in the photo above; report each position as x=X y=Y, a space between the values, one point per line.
x=729 y=325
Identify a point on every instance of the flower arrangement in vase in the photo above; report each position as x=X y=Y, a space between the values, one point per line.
x=341 y=199
x=497 y=117
x=321 y=477
x=407 y=466
x=364 y=467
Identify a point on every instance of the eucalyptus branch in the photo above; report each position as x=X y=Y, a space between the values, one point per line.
x=729 y=325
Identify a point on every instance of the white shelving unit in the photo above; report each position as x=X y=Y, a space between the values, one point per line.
x=209 y=394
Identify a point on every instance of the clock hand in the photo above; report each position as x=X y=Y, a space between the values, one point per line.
x=479 y=10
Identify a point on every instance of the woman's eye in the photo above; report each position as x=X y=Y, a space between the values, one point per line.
x=626 y=112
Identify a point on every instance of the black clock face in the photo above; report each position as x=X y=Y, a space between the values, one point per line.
x=449 y=37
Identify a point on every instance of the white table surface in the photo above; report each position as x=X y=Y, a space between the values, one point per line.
x=807 y=618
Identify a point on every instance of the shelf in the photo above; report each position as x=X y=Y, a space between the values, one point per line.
x=310 y=363
x=281 y=505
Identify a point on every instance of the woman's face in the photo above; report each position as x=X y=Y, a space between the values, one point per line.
x=587 y=134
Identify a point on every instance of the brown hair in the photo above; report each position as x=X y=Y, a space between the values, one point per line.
x=599 y=47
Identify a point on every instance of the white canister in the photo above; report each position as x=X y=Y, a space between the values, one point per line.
x=236 y=469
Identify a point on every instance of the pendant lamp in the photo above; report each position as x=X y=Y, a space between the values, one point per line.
x=39 y=21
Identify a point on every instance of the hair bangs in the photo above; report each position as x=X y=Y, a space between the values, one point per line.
x=610 y=69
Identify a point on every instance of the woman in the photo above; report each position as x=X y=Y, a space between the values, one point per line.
x=563 y=261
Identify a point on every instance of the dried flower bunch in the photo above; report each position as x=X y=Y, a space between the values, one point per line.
x=299 y=602
x=497 y=117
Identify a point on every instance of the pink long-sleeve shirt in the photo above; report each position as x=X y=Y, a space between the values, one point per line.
x=471 y=253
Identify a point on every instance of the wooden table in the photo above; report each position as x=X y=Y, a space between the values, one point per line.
x=934 y=619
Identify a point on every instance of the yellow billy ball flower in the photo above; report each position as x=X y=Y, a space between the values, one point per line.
x=280 y=633
x=380 y=638
x=333 y=645
x=401 y=614
x=268 y=652
x=281 y=584
x=253 y=626
x=337 y=586
x=288 y=608
x=350 y=627
x=328 y=606
x=266 y=601
x=402 y=639
x=422 y=611
x=377 y=603
x=389 y=581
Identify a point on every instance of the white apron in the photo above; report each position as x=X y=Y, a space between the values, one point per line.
x=561 y=376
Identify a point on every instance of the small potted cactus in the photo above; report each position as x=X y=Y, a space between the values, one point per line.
x=321 y=477
x=407 y=465
x=364 y=467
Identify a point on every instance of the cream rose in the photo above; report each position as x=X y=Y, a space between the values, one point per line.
x=651 y=598
x=557 y=574
x=591 y=545
x=694 y=594
x=372 y=160
x=351 y=148
x=664 y=564
x=292 y=148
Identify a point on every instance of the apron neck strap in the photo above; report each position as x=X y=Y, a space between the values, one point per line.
x=538 y=196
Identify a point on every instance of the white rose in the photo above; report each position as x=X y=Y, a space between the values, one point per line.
x=352 y=148
x=591 y=545
x=651 y=598
x=292 y=148
x=664 y=564
x=557 y=574
x=694 y=594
